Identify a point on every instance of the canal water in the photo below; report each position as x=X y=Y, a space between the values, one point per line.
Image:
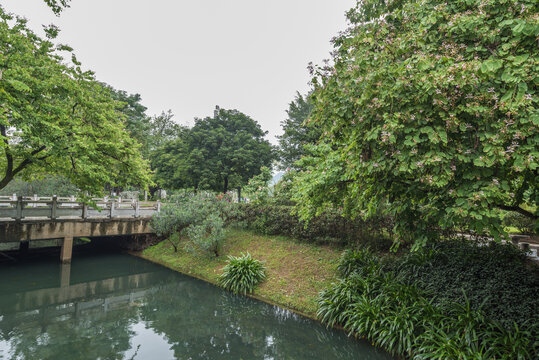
x=115 y=306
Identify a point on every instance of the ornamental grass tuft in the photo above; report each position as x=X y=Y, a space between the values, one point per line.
x=439 y=303
x=242 y=274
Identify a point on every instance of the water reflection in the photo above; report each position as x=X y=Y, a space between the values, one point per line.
x=148 y=312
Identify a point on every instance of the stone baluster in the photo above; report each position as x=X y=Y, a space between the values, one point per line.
x=54 y=206
x=84 y=211
x=137 y=209
x=18 y=216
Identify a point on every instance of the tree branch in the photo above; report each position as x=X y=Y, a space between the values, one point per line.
x=28 y=161
x=519 y=210
x=9 y=157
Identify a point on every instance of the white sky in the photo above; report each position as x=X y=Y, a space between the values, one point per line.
x=190 y=55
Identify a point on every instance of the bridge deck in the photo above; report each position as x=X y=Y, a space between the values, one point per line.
x=27 y=219
x=39 y=208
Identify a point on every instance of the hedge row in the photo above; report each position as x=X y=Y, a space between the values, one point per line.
x=328 y=228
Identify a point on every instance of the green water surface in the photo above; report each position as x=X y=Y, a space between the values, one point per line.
x=113 y=306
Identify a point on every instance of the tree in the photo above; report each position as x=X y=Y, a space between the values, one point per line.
x=150 y=132
x=232 y=148
x=57 y=119
x=297 y=131
x=162 y=129
x=219 y=152
x=169 y=161
x=430 y=109
x=200 y=217
x=137 y=122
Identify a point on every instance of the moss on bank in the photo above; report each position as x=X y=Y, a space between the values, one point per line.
x=296 y=272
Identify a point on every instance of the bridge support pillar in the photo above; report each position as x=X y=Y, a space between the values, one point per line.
x=23 y=248
x=67 y=249
x=65 y=274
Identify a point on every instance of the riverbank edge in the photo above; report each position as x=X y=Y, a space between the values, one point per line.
x=311 y=316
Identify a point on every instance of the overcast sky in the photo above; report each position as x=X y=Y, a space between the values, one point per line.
x=190 y=55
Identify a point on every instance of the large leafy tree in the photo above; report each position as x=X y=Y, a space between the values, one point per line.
x=172 y=169
x=430 y=109
x=163 y=128
x=150 y=132
x=218 y=153
x=297 y=131
x=57 y=119
x=137 y=123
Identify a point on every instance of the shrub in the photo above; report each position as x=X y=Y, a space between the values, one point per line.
x=328 y=228
x=258 y=189
x=242 y=274
x=414 y=307
x=523 y=224
x=361 y=262
x=200 y=217
x=495 y=277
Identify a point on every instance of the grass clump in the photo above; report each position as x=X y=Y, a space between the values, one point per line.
x=353 y=261
x=438 y=303
x=242 y=274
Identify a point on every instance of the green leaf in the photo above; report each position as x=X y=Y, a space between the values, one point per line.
x=491 y=66
x=520 y=59
x=19 y=86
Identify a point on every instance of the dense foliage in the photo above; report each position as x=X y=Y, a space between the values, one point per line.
x=199 y=218
x=217 y=153
x=418 y=306
x=151 y=132
x=258 y=188
x=41 y=186
x=136 y=120
x=495 y=277
x=242 y=274
x=297 y=132
x=329 y=227
x=57 y=119
x=523 y=224
x=432 y=107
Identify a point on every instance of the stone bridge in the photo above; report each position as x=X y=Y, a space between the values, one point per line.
x=23 y=220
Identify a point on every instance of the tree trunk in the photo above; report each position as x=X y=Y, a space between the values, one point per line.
x=173 y=244
x=5 y=181
x=225 y=188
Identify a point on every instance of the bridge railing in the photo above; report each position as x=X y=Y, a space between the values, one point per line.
x=57 y=208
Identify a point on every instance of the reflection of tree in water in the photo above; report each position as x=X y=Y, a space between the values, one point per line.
x=95 y=335
x=204 y=322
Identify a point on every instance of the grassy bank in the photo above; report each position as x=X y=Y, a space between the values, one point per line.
x=296 y=272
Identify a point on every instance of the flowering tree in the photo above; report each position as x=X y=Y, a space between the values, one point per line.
x=431 y=111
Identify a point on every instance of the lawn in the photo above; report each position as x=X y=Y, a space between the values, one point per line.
x=296 y=272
